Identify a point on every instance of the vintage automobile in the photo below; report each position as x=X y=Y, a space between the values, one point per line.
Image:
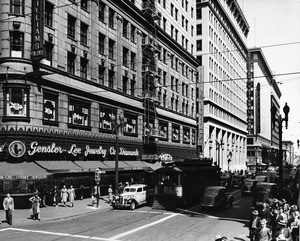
x=133 y=196
x=264 y=191
x=246 y=186
x=216 y=196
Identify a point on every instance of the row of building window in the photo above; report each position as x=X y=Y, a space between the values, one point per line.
x=17 y=102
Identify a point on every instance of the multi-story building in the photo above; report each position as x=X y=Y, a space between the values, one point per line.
x=221 y=32
x=263 y=93
x=288 y=153
x=84 y=80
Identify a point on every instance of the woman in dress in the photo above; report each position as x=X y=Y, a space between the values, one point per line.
x=35 y=200
x=72 y=195
x=64 y=195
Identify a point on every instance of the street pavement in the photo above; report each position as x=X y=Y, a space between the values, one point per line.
x=81 y=207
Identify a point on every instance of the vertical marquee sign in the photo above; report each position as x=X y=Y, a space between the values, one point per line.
x=37 y=40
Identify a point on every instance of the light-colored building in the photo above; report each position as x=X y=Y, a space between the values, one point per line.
x=88 y=75
x=221 y=32
x=263 y=93
x=288 y=153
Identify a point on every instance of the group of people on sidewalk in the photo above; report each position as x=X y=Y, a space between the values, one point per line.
x=277 y=221
x=64 y=195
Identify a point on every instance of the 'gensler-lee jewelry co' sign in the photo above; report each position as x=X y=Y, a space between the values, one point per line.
x=74 y=150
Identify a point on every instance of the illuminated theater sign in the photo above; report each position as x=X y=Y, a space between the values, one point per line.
x=37 y=24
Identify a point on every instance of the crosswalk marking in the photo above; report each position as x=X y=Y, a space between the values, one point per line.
x=57 y=234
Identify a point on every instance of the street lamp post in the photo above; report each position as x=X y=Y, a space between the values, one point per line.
x=118 y=123
x=219 y=144
x=280 y=120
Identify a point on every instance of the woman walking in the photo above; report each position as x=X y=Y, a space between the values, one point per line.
x=64 y=195
x=72 y=195
x=35 y=200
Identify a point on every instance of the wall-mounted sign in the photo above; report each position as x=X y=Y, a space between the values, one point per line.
x=37 y=24
x=76 y=150
x=165 y=157
x=16 y=149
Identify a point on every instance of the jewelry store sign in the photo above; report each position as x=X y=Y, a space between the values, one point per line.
x=53 y=148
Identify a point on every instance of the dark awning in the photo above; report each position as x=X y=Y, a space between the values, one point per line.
x=138 y=165
x=121 y=165
x=91 y=165
x=59 y=166
x=23 y=170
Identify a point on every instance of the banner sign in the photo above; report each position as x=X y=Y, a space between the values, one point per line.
x=37 y=24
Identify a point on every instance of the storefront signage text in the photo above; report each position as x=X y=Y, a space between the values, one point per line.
x=75 y=150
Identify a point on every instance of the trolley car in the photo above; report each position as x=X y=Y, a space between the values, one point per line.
x=180 y=184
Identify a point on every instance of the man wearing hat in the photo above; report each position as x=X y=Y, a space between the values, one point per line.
x=263 y=233
x=254 y=225
x=284 y=234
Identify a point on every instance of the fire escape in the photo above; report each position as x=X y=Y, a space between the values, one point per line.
x=149 y=76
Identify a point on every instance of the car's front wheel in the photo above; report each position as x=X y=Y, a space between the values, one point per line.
x=132 y=205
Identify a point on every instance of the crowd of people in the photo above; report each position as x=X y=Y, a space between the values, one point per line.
x=277 y=220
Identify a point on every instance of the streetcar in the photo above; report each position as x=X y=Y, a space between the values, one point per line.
x=180 y=184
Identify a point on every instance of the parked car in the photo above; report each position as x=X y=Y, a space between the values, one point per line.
x=263 y=192
x=133 y=196
x=216 y=197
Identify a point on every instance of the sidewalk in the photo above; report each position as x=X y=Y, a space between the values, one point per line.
x=81 y=207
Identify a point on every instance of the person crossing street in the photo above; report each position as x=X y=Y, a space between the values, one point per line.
x=8 y=205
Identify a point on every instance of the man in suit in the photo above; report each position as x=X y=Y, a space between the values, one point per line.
x=254 y=224
x=8 y=205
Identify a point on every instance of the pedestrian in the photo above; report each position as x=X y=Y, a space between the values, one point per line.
x=97 y=194
x=81 y=192
x=8 y=206
x=120 y=188
x=294 y=224
x=284 y=233
x=263 y=233
x=72 y=195
x=265 y=212
x=110 y=193
x=132 y=181
x=64 y=195
x=56 y=196
x=254 y=224
x=35 y=200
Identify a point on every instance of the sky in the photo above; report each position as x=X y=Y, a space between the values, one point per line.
x=275 y=28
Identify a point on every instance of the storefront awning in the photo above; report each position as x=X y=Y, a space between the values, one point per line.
x=91 y=165
x=59 y=166
x=122 y=165
x=138 y=165
x=23 y=170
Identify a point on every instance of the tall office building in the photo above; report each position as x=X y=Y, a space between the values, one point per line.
x=221 y=32
x=263 y=93
x=84 y=80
